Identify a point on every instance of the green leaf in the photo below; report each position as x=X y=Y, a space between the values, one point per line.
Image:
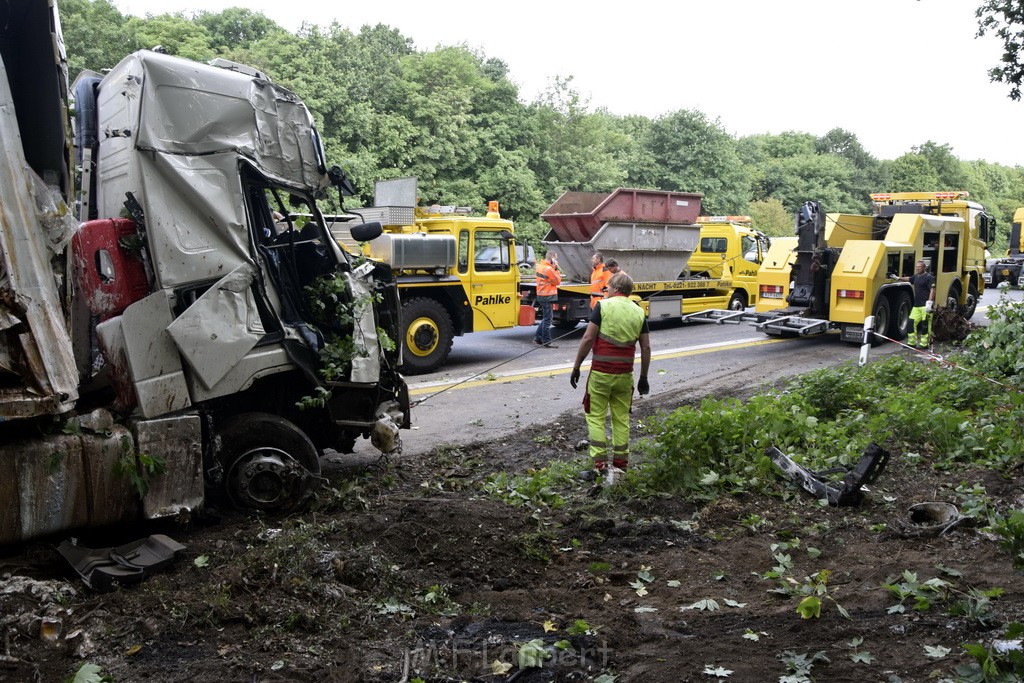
x=813 y=553
x=88 y=673
x=710 y=478
x=533 y=654
x=201 y=561
x=862 y=658
x=809 y=607
x=936 y=651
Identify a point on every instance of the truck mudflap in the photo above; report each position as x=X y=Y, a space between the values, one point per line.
x=767 y=323
x=846 y=492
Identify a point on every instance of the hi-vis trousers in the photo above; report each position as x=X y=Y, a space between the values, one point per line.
x=614 y=393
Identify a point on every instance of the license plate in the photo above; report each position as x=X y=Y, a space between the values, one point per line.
x=852 y=333
x=772 y=295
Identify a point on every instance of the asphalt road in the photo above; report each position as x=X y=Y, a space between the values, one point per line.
x=498 y=382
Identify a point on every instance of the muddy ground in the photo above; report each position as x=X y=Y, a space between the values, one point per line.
x=410 y=570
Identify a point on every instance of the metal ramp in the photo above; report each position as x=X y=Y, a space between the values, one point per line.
x=764 y=322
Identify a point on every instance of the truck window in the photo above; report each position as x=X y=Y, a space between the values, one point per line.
x=908 y=264
x=490 y=252
x=713 y=245
x=464 y=251
x=951 y=254
x=748 y=248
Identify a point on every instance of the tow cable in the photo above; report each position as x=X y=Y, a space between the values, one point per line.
x=484 y=372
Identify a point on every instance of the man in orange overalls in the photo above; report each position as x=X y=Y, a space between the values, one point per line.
x=548 y=279
x=598 y=279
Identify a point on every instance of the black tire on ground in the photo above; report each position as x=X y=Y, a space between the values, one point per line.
x=427 y=335
x=883 y=314
x=269 y=463
x=971 y=305
x=899 y=321
x=738 y=301
x=997 y=276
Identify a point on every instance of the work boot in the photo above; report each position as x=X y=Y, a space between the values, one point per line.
x=613 y=475
x=911 y=340
x=588 y=475
x=551 y=346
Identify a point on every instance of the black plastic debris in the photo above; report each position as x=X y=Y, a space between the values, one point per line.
x=102 y=569
x=844 y=492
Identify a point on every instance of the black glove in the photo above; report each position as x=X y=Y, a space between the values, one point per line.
x=574 y=377
x=642 y=386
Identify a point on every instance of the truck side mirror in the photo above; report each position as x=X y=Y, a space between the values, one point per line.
x=367 y=231
x=340 y=180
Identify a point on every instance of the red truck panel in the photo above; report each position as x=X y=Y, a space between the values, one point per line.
x=111 y=278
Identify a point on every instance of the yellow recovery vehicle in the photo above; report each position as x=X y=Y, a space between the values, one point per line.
x=841 y=269
x=459 y=273
x=1010 y=268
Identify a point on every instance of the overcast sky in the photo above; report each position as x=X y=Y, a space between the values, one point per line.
x=895 y=73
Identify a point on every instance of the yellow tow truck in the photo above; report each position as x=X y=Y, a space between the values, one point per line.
x=842 y=268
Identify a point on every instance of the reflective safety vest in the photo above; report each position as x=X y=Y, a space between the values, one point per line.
x=548 y=279
x=598 y=283
x=621 y=323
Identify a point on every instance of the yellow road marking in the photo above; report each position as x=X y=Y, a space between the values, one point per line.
x=565 y=368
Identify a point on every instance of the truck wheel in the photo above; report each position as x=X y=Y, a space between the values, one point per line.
x=428 y=335
x=971 y=305
x=882 y=315
x=738 y=302
x=269 y=463
x=899 y=323
x=953 y=298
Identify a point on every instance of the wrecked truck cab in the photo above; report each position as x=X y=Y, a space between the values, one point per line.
x=233 y=349
x=266 y=328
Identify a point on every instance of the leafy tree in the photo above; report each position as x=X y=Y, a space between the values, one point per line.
x=912 y=173
x=235 y=28
x=176 y=33
x=948 y=169
x=692 y=154
x=570 y=146
x=1005 y=18
x=96 y=35
x=771 y=217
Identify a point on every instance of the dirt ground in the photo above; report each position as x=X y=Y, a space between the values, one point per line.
x=411 y=570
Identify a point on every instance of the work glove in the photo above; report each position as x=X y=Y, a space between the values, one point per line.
x=574 y=378
x=642 y=386
x=928 y=306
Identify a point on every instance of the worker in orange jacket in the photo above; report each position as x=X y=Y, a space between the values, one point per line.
x=598 y=279
x=548 y=279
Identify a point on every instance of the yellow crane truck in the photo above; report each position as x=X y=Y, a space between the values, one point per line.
x=842 y=268
x=456 y=272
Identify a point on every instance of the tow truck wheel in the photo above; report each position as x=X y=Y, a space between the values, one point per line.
x=428 y=336
x=738 y=302
x=899 y=324
x=953 y=298
x=269 y=463
x=971 y=305
x=882 y=315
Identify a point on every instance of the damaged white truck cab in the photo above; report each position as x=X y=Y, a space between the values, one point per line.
x=234 y=346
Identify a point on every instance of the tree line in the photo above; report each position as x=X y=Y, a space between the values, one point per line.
x=453 y=117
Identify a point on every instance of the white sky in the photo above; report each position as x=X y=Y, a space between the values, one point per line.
x=895 y=73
